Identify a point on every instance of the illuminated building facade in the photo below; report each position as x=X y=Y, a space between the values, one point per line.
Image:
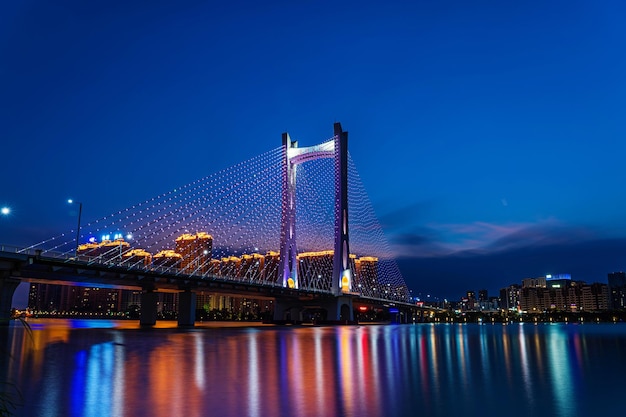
x=561 y=293
x=71 y=298
x=469 y=302
x=113 y=250
x=510 y=297
x=44 y=297
x=136 y=258
x=105 y=251
x=316 y=269
x=595 y=297
x=251 y=268
x=272 y=262
x=214 y=267
x=195 y=250
x=366 y=277
x=167 y=259
x=230 y=267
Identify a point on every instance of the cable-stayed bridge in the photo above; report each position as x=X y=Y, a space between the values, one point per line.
x=294 y=223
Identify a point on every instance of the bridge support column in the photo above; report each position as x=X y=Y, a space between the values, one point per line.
x=342 y=274
x=288 y=263
x=149 y=300
x=287 y=311
x=340 y=309
x=186 y=308
x=7 y=289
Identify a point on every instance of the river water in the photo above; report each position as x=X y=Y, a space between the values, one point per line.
x=116 y=368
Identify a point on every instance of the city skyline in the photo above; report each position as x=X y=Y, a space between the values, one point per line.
x=488 y=136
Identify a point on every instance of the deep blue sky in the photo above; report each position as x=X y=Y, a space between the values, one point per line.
x=489 y=135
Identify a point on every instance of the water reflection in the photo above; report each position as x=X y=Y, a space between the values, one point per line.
x=438 y=370
x=558 y=356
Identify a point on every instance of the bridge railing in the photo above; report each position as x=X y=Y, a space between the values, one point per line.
x=33 y=251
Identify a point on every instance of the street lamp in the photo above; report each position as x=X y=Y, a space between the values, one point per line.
x=80 y=211
x=5 y=211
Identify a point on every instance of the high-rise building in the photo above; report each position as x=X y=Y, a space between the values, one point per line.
x=539 y=282
x=113 y=250
x=561 y=293
x=195 y=251
x=595 y=297
x=270 y=270
x=252 y=267
x=230 y=267
x=366 y=278
x=510 y=297
x=214 y=267
x=617 y=290
x=470 y=300
x=167 y=259
x=534 y=299
x=315 y=269
x=44 y=297
x=105 y=251
x=72 y=298
x=136 y=258
x=617 y=279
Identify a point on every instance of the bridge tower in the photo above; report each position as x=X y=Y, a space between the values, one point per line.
x=336 y=148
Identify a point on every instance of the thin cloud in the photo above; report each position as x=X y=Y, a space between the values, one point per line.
x=405 y=216
x=438 y=240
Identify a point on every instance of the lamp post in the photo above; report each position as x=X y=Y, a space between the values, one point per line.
x=80 y=212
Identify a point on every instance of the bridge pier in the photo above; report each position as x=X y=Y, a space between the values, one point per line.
x=287 y=311
x=149 y=300
x=186 y=308
x=7 y=289
x=339 y=309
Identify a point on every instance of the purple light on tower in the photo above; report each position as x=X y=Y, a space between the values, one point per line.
x=336 y=148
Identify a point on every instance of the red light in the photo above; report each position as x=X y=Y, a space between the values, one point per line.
x=362 y=308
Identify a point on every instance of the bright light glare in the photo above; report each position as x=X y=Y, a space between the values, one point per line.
x=129 y=236
x=70 y=201
x=5 y=210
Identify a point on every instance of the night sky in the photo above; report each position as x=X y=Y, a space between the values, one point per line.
x=489 y=135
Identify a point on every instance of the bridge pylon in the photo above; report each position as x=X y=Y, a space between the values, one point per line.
x=336 y=148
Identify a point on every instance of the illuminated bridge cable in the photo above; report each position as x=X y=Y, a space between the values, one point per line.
x=240 y=208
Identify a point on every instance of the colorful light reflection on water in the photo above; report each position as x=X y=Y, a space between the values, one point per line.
x=99 y=368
